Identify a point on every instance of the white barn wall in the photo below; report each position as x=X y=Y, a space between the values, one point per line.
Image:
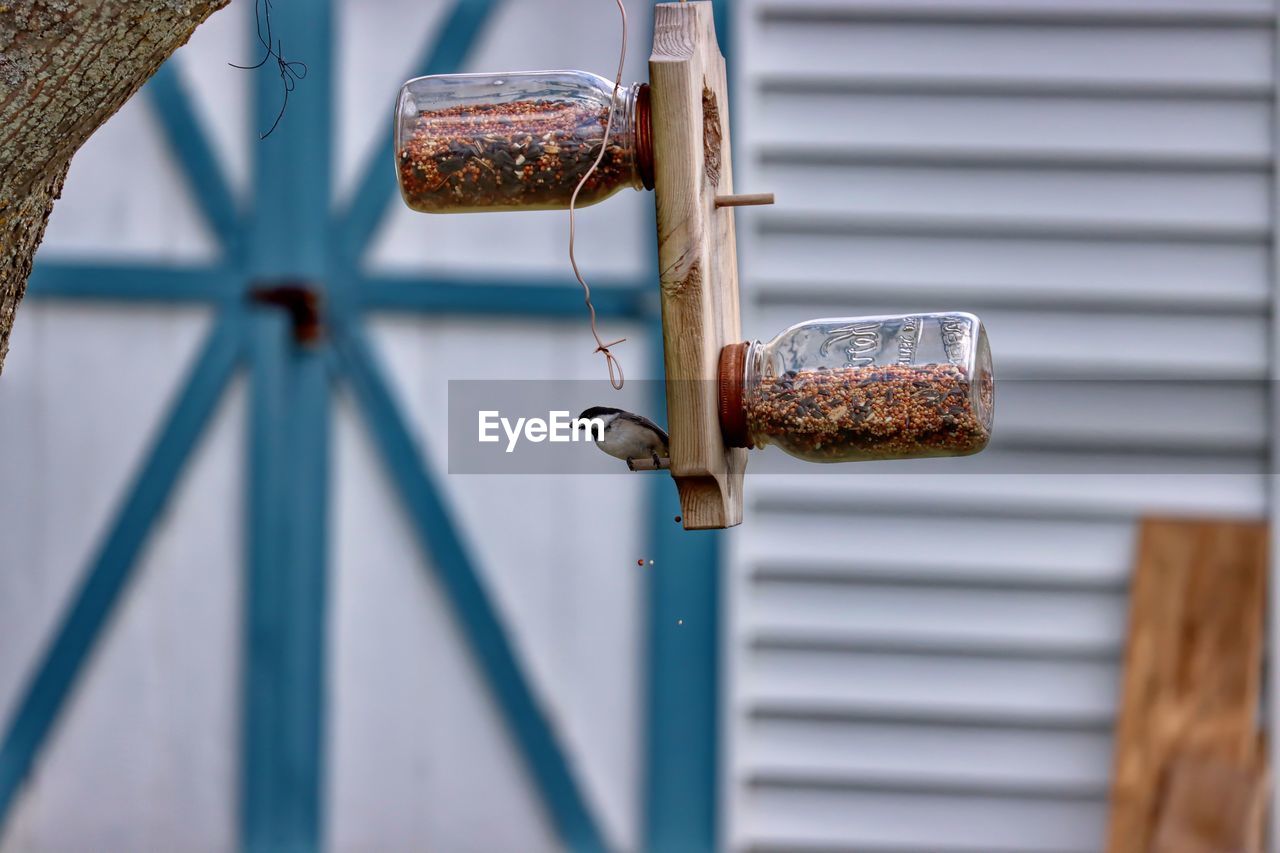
x=559 y=556
x=146 y=754
x=417 y=753
x=559 y=561
x=418 y=750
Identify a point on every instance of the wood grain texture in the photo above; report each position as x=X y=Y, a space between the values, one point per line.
x=1193 y=665
x=66 y=66
x=697 y=255
x=1209 y=805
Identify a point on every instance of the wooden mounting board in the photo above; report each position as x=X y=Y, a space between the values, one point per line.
x=1192 y=683
x=697 y=256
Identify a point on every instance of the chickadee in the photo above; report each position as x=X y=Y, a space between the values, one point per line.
x=629 y=436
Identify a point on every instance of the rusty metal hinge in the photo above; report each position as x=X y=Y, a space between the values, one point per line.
x=304 y=302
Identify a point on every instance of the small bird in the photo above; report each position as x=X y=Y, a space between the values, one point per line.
x=630 y=436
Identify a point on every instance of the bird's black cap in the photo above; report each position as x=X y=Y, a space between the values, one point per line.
x=599 y=412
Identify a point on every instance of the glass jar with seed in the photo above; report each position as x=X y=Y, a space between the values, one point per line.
x=522 y=141
x=862 y=388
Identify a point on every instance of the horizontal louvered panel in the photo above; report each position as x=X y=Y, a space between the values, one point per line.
x=1076 y=345
x=797 y=125
x=841 y=272
x=809 y=709
x=1033 y=460
x=927 y=654
x=955 y=546
x=955 y=620
x=794 y=819
x=938 y=55
x=961 y=685
x=1247 y=12
x=1111 y=496
x=1144 y=416
x=808 y=778
x=927 y=756
x=1115 y=201
x=799 y=220
x=1039 y=87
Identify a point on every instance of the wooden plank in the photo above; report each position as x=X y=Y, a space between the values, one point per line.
x=1209 y=806
x=1193 y=665
x=697 y=256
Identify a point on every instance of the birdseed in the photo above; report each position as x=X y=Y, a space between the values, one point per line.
x=876 y=412
x=521 y=154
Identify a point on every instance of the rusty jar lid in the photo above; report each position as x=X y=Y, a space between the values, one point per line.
x=733 y=409
x=644 y=135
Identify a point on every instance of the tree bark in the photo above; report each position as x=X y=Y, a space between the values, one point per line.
x=66 y=66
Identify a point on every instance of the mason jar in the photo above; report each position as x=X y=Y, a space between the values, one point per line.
x=522 y=141
x=862 y=388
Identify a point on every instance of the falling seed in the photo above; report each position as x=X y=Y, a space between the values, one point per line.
x=639 y=562
x=677 y=519
x=679 y=621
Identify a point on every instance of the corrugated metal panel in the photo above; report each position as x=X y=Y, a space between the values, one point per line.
x=929 y=660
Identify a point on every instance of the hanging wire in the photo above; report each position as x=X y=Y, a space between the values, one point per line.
x=291 y=71
x=611 y=361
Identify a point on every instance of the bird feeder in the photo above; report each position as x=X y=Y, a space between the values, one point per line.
x=523 y=141
x=824 y=391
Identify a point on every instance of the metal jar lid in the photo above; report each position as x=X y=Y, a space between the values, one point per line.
x=733 y=409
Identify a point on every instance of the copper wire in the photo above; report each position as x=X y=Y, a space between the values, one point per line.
x=611 y=361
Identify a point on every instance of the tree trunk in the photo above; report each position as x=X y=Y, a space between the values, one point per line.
x=66 y=66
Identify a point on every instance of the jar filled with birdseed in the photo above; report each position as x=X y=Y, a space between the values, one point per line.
x=523 y=141
x=862 y=388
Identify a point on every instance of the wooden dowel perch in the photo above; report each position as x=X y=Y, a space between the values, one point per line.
x=663 y=464
x=744 y=200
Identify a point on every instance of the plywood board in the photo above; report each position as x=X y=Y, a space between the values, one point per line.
x=1193 y=665
x=1208 y=805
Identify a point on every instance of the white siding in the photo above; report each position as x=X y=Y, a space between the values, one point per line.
x=929 y=661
